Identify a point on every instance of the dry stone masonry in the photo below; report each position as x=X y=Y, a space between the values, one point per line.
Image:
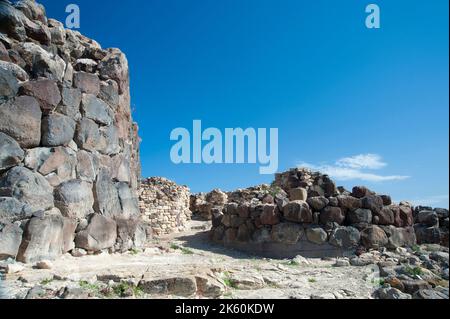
x=69 y=150
x=164 y=205
x=303 y=212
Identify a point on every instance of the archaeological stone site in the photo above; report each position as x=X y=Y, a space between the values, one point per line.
x=77 y=219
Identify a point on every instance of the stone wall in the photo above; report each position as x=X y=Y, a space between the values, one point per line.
x=69 y=150
x=203 y=206
x=164 y=205
x=303 y=212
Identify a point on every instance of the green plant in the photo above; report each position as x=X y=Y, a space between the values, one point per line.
x=187 y=251
x=378 y=282
x=416 y=248
x=228 y=281
x=88 y=286
x=312 y=280
x=291 y=263
x=122 y=288
x=184 y=250
x=416 y=271
x=46 y=281
x=134 y=251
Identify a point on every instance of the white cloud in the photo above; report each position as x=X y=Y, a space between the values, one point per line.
x=351 y=168
x=431 y=201
x=369 y=161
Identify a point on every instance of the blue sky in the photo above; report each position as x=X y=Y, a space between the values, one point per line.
x=333 y=88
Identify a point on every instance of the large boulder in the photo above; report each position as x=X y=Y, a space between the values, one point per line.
x=374 y=237
x=130 y=234
x=298 y=193
x=428 y=218
x=297 y=211
x=87 y=135
x=20 y=118
x=28 y=187
x=359 y=216
x=316 y=235
x=74 y=199
x=15 y=70
x=349 y=202
x=86 y=166
x=106 y=196
x=270 y=215
x=11 y=153
x=96 y=110
x=128 y=201
x=317 y=203
x=332 y=215
x=427 y=235
x=101 y=233
x=43 y=238
x=287 y=233
x=88 y=83
x=9 y=85
x=114 y=66
x=71 y=100
x=12 y=210
x=361 y=191
x=45 y=91
x=403 y=216
x=57 y=129
x=372 y=202
x=345 y=237
x=400 y=237
x=42 y=63
x=10 y=238
x=385 y=216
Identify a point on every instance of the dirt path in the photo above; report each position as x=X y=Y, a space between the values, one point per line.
x=226 y=273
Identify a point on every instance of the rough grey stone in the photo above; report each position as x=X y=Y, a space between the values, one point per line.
x=345 y=237
x=101 y=233
x=128 y=201
x=297 y=211
x=42 y=63
x=12 y=210
x=360 y=215
x=43 y=238
x=88 y=83
x=10 y=238
x=20 y=118
x=87 y=135
x=96 y=110
x=28 y=187
x=74 y=199
x=9 y=85
x=15 y=70
x=57 y=129
x=288 y=233
x=10 y=152
x=45 y=91
x=109 y=92
x=106 y=196
x=86 y=167
x=71 y=100
x=316 y=235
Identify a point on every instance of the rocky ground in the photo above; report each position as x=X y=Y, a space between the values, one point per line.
x=187 y=265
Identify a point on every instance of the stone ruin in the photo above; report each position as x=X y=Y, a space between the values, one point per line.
x=203 y=206
x=303 y=212
x=164 y=205
x=70 y=168
x=69 y=150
